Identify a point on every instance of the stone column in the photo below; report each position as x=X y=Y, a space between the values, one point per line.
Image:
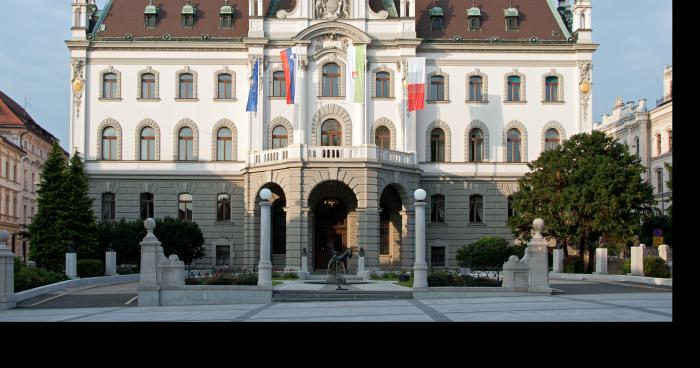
x=361 y=265
x=637 y=266
x=368 y=235
x=558 y=260
x=71 y=261
x=7 y=273
x=420 y=268
x=151 y=255
x=265 y=266
x=304 y=265
x=110 y=261
x=539 y=267
x=601 y=261
x=665 y=252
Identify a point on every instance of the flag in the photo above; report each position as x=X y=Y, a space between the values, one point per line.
x=416 y=83
x=253 y=92
x=289 y=57
x=355 y=74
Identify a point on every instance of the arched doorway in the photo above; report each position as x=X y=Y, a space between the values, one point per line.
x=278 y=251
x=390 y=229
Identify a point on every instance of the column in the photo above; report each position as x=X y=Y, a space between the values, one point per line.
x=151 y=255
x=539 y=267
x=637 y=264
x=601 y=261
x=558 y=260
x=110 y=261
x=71 y=262
x=7 y=273
x=265 y=266
x=420 y=268
x=368 y=235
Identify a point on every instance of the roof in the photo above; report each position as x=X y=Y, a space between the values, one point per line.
x=12 y=145
x=12 y=114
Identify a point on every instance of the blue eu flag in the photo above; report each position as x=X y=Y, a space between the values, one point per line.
x=253 y=93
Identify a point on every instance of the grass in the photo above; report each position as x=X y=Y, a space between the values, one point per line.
x=275 y=282
x=408 y=284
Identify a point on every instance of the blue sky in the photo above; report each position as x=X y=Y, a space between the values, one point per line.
x=634 y=37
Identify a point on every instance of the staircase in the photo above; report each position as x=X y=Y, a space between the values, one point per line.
x=337 y=295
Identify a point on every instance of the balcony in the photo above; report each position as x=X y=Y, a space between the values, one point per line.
x=331 y=154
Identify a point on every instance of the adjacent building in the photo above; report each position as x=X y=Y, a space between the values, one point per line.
x=159 y=95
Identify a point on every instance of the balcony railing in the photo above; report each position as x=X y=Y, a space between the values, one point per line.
x=663 y=100
x=328 y=153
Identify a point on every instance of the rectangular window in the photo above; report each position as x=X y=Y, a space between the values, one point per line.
x=146 y=206
x=660 y=181
x=223 y=255
x=437 y=256
x=437 y=209
x=476 y=209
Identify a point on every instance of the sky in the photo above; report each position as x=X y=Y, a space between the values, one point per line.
x=634 y=36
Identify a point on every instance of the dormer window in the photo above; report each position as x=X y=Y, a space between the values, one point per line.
x=150 y=15
x=511 y=15
x=188 y=15
x=226 y=16
x=437 y=22
x=474 y=18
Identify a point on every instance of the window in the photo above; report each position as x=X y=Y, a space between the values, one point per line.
x=108 y=207
x=636 y=143
x=225 y=90
x=148 y=86
x=512 y=24
x=382 y=89
x=110 y=86
x=476 y=87
x=511 y=210
x=382 y=138
x=331 y=135
x=551 y=139
x=33 y=181
x=223 y=255
x=474 y=23
x=279 y=87
x=148 y=144
x=660 y=181
x=513 y=88
x=186 y=86
x=670 y=140
x=437 y=145
x=7 y=205
x=331 y=80
x=437 y=256
x=658 y=144
x=224 y=140
x=185 y=144
x=188 y=15
x=146 y=205
x=184 y=207
x=223 y=207
x=279 y=137
x=226 y=16
x=14 y=174
x=513 y=145
x=150 y=16
x=476 y=209
x=437 y=209
x=437 y=23
x=476 y=145
x=437 y=88
x=551 y=89
x=109 y=144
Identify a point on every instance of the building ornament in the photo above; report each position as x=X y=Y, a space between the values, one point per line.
x=78 y=84
x=332 y=9
x=585 y=69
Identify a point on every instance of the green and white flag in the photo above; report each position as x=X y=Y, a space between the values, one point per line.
x=355 y=74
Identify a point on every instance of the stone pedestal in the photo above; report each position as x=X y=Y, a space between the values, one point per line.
x=110 y=263
x=601 y=261
x=539 y=265
x=637 y=266
x=665 y=252
x=265 y=266
x=420 y=268
x=151 y=256
x=72 y=265
x=7 y=273
x=558 y=260
x=516 y=274
x=172 y=273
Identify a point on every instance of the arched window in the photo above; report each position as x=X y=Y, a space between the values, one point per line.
x=110 y=86
x=146 y=205
x=224 y=140
x=659 y=181
x=476 y=209
x=437 y=23
x=188 y=15
x=148 y=144
x=109 y=144
x=512 y=24
x=437 y=209
x=148 y=86
x=331 y=80
x=514 y=140
x=186 y=86
x=279 y=87
x=658 y=144
x=223 y=207
x=551 y=89
x=476 y=145
x=476 y=87
x=331 y=133
x=279 y=137
x=474 y=23
x=226 y=16
x=670 y=140
x=383 y=80
x=225 y=90
x=437 y=145
x=551 y=139
x=382 y=138
x=185 y=144
x=108 y=206
x=184 y=207
x=636 y=143
x=437 y=88
x=513 y=88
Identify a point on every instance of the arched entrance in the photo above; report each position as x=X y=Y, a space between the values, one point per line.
x=278 y=253
x=390 y=229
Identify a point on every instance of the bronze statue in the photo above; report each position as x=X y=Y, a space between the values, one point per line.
x=334 y=266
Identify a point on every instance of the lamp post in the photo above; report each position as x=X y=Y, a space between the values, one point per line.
x=265 y=266
x=420 y=268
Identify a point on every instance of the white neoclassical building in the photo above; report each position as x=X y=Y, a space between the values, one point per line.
x=159 y=93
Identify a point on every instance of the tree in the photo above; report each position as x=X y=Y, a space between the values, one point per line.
x=669 y=185
x=180 y=237
x=48 y=247
x=588 y=187
x=79 y=222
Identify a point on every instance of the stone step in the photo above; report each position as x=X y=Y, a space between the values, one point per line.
x=336 y=295
x=318 y=276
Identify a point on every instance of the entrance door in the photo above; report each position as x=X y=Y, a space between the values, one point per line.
x=330 y=233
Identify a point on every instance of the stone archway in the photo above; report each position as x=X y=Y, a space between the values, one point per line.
x=278 y=253
x=390 y=228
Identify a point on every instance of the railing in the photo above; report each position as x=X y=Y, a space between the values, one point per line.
x=328 y=153
x=397 y=157
x=663 y=100
x=269 y=156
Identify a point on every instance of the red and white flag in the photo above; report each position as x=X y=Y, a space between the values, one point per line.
x=416 y=83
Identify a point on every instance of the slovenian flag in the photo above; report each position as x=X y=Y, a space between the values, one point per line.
x=416 y=83
x=253 y=92
x=289 y=57
x=355 y=74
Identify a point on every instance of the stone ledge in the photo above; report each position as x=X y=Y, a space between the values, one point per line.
x=465 y=292
x=216 y=294
x=90 y=281
x=618 y=278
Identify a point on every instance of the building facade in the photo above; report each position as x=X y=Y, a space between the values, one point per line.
x=159 y=109
x=649 y=135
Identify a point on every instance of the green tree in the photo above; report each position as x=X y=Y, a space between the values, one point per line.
x=48 y=247
x=183 y=238
x=79 y=221
x=588 y=187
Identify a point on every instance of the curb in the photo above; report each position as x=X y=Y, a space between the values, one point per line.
x=90 y=281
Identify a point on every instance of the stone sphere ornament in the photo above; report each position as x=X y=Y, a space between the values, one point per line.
x=538 y=226
x=419 y=194
x=4 y=236
x=265 y=194
x=150 y=224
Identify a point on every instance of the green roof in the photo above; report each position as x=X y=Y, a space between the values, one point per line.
x=474 y=12
x=510 y=12
x=436 y=10
x=188 y=9
x=226 y=9
x=150 y=8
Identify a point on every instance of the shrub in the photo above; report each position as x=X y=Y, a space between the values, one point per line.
x=573 y=264
x=489 y=252
x=127 y=269
x=291 y=275
x=90 y=268
x=29 y=278
x=626 y=266
x=655 y=267
x=444 y=278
